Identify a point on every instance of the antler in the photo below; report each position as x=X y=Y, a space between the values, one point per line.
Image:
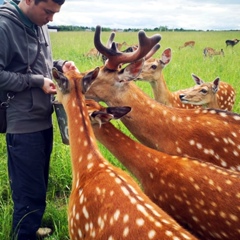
x=115 y=57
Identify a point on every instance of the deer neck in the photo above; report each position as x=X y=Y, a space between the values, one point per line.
x=142 y=107
x=160 y=90
x=131 y=153
x=213 y=102
x=80 y=134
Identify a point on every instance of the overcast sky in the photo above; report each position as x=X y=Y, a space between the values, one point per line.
x=187 y=14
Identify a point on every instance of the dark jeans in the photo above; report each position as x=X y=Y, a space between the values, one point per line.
x=28 y=168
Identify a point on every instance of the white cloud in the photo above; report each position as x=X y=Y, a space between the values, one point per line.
x=187 y=14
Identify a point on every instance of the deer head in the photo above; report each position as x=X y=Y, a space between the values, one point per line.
x=213 y=94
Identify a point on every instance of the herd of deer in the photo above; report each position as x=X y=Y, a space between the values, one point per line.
x=208 y=51
x=186 y=161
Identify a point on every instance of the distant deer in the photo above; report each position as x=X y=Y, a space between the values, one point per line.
x=199 y=195
x=187 y=44
x=105 y=202
x=208 y=134
x=209 y=52
x=152 y=72
x=232 y=43
x=205 y=94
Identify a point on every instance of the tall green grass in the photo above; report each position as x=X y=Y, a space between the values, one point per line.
x=73 y=46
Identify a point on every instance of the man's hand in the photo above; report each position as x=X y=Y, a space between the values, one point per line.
x=49 y=86
x=68 y=66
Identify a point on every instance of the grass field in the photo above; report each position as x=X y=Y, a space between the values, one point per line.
x=73 y=46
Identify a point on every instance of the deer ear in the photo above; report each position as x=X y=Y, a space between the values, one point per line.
x=131 y=71
x=100 y=117
x=89 y=79
x=197 y=80
x=118 y=112
x=61 y=80
x=166 y=57
x=215 y=85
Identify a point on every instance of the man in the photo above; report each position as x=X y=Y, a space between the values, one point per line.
x=25 y=75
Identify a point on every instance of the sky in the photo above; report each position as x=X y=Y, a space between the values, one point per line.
x=140 y=14
x=187 y=14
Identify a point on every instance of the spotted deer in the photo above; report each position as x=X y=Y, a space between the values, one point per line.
x=209 y=134
x=105 y=202
x=206 y=94
x=209 y=52
x=152 y=73
x=200 y=196
x=187 y=44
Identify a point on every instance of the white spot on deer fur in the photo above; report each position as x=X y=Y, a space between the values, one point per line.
x=80 y=233
x=173 y=118
x=89 y=156
x=223 y=214
x=87 y=227
x=234 y=217
x=116 y=215
x=85 y=143
x=100 y=222
x=169 y=233
x=133 y=200
x=229 y=182
x=125 y=231
x=85 y=212
x=192 y=142
x=236 y=117
x=140 y=222
x=235 y=153
x=151 y=234
x=110 y=238
x=142 y=209
x=101 y=165
x=90 y=165
x=125 y=218
x=118 y=181
x=179 y=150
x=199 y=145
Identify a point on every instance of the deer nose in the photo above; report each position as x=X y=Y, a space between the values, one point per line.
x=181 y=96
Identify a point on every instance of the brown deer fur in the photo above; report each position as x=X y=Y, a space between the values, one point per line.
x=199 y=195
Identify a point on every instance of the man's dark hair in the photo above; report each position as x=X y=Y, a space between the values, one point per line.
x=59 y=2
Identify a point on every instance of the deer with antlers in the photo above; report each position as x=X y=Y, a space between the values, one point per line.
x=152 y=72
x=105 y=202
x=200 y=196
x=205 y=94
x=208 y=134
x=187 y=44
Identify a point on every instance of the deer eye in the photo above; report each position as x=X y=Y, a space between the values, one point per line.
x=154 y=67
x=203 y=91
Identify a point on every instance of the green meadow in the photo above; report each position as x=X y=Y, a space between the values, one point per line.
x=73 y=46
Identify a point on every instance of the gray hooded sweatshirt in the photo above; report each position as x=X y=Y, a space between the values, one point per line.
x=25 y=59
